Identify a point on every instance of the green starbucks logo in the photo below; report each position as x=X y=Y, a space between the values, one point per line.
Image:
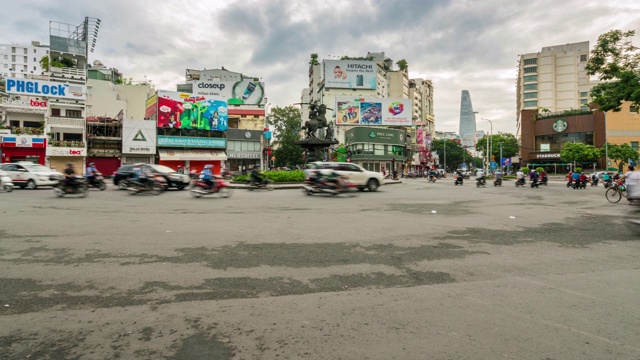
x=560 y=125
x=372 y=134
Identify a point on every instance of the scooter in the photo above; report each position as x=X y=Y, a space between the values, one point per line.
x=6 y=184
x=481 y=182
x=154 y=186
x=265 y=184
x=201 y=188
x=594 y=182
x=311 y=187
x=458 y=180
x=61 y=189
x=579 y=184
x=535 y=183
x=97 y=183
x=432 y=178
x=520 y=182
x=544 y=181
x=497 y=182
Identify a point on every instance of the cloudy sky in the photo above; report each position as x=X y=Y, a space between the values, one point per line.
x=460 y=45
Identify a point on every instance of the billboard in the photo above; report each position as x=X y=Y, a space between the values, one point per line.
x=234 y=92
x=151 y=110
x=48 y=89
x=373 y=111
x=178 y=110
x=349 y=74
x=138 y=136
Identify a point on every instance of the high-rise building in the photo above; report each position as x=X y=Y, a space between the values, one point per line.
x=22 y=60
x=553 y=80
x=467 y=122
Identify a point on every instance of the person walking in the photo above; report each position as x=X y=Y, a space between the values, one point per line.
x=631 y=177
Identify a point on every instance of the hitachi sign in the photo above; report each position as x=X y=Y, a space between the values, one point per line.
x=360 y=66
x=35 y=88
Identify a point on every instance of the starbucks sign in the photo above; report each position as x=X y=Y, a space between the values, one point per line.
x=560 y=125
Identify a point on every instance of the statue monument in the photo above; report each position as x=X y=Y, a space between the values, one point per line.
x=315 y=146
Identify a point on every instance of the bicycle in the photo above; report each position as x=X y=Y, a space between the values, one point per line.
x=616 y=192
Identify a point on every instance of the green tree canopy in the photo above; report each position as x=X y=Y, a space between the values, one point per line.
x=314 y=59
x=286 y=129
x=620 y=154
x=509 y=145
x=579 y=152
x=402 y=64
x=455 y=152
x=616 y=62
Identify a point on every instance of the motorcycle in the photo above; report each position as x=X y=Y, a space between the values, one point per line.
x=497 y=182
x=201 y=188
x=594 y=182
x=544 y=181
x=6 y=184
x=97 y=183
x=608 y=183
x=481 y=182
x=432 y=178
x=579 y=184
x=154 y=185
x=265 y=184
x=520 y=182
x=458 y=180
x=535 y=183
x=62 y=188
x=321 y=186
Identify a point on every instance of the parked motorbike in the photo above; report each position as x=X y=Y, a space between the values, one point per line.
x=321 y=186
x=6 y=184
x=201 y=188
x=520 y=182
x=97 y=183
x=497 y=182
x=62 y=188
x=265 y=184
x=153 y=185
x=481 y=182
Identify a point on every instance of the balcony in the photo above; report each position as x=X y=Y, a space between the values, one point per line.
x=65 y=121
x=26 y=131
x=66 y=144
x=68 y=74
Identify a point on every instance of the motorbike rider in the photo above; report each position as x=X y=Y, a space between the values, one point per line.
x=575 y=178
x=207 y=177
x=142 y=175
x=543 y=176
x=257 y=176
x=520 y=176
x=583 y=179
x=480 y=177
x=498 y=177
x=91 y=173
x=70 y=176
x=606 y=179
x=459 y=177
x=432 y=174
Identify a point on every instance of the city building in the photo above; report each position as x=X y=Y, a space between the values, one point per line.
x=100 y=72
x=623 y=127
x=467 y=122
x=18 y=61
x=376 y=148
x=553 y=79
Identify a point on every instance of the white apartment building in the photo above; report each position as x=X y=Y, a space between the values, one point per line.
x=553 y=79
x=21 y=60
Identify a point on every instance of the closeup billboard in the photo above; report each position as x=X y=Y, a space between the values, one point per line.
x=178 y=110
x=373 y=111
x=349 y=74
x=234 y=92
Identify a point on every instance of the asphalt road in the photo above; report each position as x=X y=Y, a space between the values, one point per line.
x=414 y=271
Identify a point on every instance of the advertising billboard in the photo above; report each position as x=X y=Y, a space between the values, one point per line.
x=151 y=110
x=178 y=110
x=373 y=111
x=349 y=74
x=233 y=92
x=138 y=136
x=48 y=89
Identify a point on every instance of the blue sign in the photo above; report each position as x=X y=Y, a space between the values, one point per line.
x=505 y=161
x=493 y=165
x=185 y=141
x=45 y=88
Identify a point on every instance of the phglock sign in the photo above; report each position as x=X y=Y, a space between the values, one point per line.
x=45 y=89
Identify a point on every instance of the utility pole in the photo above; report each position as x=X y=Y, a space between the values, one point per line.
x=501 y=169
x=445 y=155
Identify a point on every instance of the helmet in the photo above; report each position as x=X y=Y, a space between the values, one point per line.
x=208 y=166
x=92 y=164
x=632 y=168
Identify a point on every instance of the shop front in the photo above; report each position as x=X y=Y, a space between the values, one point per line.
x=16 y=148
x=193 y=160
x=243 y=150
x=376 y=149
x=59 y=157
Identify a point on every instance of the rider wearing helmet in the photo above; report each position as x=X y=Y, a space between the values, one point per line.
x=207 y=176
x=257 y=176
x=70 y=175
x=91 y=173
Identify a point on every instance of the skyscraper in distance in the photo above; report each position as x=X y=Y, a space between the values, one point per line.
x=467 y=122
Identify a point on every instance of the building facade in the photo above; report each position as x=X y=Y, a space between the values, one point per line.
x=376 y=148
x=467 y=122
x=20 y=61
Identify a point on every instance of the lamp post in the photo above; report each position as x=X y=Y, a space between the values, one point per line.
x=444 y=167
x=488 y=153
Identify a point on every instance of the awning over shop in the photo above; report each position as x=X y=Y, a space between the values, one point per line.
x=196 y=155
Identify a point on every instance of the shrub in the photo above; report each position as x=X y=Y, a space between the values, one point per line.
x=579 y=169
x=539 y=169
x=525 y=170
x=277 y=176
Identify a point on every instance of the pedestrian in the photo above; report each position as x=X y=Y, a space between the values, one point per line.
x=631 y=177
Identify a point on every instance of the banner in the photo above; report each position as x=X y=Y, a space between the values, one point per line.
x=350 y=74
x=236 y=92
x=185 y=141
x=373 y=111
x=138 y=136
x=192 y=112
x=47 y=89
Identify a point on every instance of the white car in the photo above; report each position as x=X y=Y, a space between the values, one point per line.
x=29 y=175
x=363 y=179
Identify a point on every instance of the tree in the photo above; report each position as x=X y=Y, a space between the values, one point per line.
x=314 y=59
x=579 y=152
x=620 y=154
x=44 y=63
x=617 y=63
x=454 y=152
x=509 y=145
x=286 y=125
x=402 y=64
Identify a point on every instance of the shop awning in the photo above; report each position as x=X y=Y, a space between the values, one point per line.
x=196 y=155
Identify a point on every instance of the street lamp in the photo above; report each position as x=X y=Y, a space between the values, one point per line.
x=488 y=151
x=444 y=168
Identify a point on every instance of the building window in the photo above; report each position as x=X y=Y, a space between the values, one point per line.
x=583 y=57
x=25 y=51
x=55 y=112
x=530 y=78
x=583 y=101
x=584 y=94
x=584 y=108
x=633 y=109
x=533 y=103
x=530 y=61
x=34 y=51
x=532 y=69
x=634 y=145
x=531 y=87
x=34 y=60
x=531 y=95
x=73 y=113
